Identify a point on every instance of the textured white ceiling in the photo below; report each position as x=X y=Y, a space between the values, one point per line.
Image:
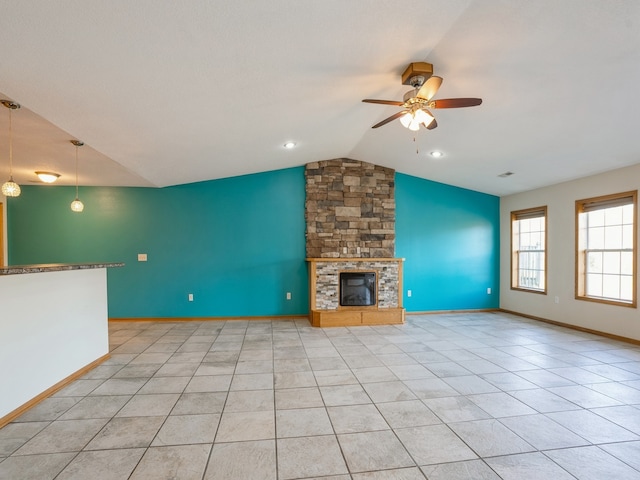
x=165 y=92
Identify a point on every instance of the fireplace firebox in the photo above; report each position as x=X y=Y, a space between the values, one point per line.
x=357 y=289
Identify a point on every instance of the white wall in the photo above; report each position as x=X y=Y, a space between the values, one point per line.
x=51 y=325
x=560 y=200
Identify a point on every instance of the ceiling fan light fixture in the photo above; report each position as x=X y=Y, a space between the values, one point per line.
x=410 y=120
x=424 y=117
x=413 y=120
x=406 y=119
x=48 y=177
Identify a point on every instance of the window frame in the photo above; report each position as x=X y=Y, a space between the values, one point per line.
x=515 y=268
x=599 y=203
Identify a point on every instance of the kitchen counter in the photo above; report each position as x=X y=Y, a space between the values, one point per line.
x=53 y=267
x=53 y=329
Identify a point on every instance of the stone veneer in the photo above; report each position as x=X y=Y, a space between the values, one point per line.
x=350 y=209
x=327 y=281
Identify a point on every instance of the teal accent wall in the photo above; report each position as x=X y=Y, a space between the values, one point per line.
x=237 y=244
x=450 y=238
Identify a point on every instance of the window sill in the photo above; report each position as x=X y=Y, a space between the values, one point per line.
x=607 y=301
x=529 y=290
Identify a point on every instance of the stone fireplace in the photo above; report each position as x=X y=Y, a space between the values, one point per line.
x=350 y=219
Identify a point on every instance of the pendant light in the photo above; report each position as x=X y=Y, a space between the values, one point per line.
x=10 y=188
x=77 y=206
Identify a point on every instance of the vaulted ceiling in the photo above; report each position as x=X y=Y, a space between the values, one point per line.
x=165 y=92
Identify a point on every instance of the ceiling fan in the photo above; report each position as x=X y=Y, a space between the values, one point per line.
x=417 y=102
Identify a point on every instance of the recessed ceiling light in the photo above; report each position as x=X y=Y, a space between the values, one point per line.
x=289 y=145
x=505 y=174
x=48 y=177
x=436 y=154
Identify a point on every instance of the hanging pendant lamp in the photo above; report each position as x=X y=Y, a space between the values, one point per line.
x=10 y=188
x=77 y=206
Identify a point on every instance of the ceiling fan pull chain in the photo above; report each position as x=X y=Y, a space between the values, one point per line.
x=414 y=141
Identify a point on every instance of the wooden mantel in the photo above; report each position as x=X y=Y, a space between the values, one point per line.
x=329 y=313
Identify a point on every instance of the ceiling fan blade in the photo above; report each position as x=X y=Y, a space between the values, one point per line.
x=389 y=119
x=383 y=102
x=430 y=87
x=455 y=102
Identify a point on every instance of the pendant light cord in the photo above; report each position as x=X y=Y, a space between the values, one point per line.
x=10 y=147
x=76 y=172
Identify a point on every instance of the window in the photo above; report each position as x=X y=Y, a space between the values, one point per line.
x=606 y=249
x=528 y=250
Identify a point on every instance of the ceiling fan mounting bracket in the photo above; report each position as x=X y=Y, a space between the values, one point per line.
x=414 y=71
x=417 y=81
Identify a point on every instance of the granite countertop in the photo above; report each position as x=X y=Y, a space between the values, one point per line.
x=54 y=267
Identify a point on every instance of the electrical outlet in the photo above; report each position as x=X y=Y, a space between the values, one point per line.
x=557 y=299
x=288 y=295
x=408 y=293
x=191 y=297
x=142 y=257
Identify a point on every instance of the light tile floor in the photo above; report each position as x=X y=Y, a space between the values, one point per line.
x=444 y=397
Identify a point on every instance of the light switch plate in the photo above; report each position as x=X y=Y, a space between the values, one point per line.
x=142 y=257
